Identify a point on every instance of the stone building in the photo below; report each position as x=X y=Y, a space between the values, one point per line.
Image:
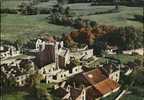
x=91 y=85
x=19 y=70
x=53 y=74
x=64 y=57
x=83 y=53
x=47 y=51
x=8 y=51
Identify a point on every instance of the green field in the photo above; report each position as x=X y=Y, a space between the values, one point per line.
x=83 y=9
x=17 y=96
x=18 y=26
x=26 y=27
x=15 y=26
x=12 y=4
x=123 y=18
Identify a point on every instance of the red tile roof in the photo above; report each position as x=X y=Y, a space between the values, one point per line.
x=96 y=84
x=106 y=86
x=95 y=76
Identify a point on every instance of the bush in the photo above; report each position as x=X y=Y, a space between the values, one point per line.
x=134 y=54
x=44 y=11
x=9 y=11
x=125 y=38
x=44 y=0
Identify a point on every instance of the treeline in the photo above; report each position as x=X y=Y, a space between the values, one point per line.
x=125 y=38
x=106 y=2
x=100 y=36
x=70 y=21
x=64 y=16
x=27 y=8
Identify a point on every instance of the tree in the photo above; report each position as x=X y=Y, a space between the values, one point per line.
x=34 y=79
x=27 y=66
x=93 y=24
x=67 y=11
x=125 y=38
x=62 y=2
x=27 y=9
x=116 y=2
x=41 y=92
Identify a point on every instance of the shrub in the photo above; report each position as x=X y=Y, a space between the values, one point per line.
x=9 y=11
x=134 y=54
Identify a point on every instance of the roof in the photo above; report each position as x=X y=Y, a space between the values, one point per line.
x=60 y=92
x=110 y=67
x=91 y=93
x=78 y=80
x=106 y=86
x=95 y=82
x=95 y=76
x=48 y=39
x=74 y=93
x=88 y=78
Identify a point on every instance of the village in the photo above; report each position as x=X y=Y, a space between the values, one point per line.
x=76 y=73
x=71 y=50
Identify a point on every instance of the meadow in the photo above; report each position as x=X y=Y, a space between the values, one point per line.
x=27 y=27
x=12 y=4
x=126 y=17
x=15 y=26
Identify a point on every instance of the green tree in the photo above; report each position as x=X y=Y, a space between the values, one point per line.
x=62 y=2
x=34 y=79
x=116 y=2
x=67 y=11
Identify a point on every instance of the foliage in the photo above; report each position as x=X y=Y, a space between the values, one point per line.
x=27 y=9
x=79 y=1
x=134 y=83
x=40 y=92
x=20 y=95
x=88 y=35
x=61 y=2
x=7 y=10
x=125 y=38
x=100 y=36
x=34 y=79
x=27 y=66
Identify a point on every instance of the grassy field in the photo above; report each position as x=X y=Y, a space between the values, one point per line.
x=12 y=4
x=18 y=96
x=83 y=9
x=27 y=27
x=124 y=18
x=46 y=5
